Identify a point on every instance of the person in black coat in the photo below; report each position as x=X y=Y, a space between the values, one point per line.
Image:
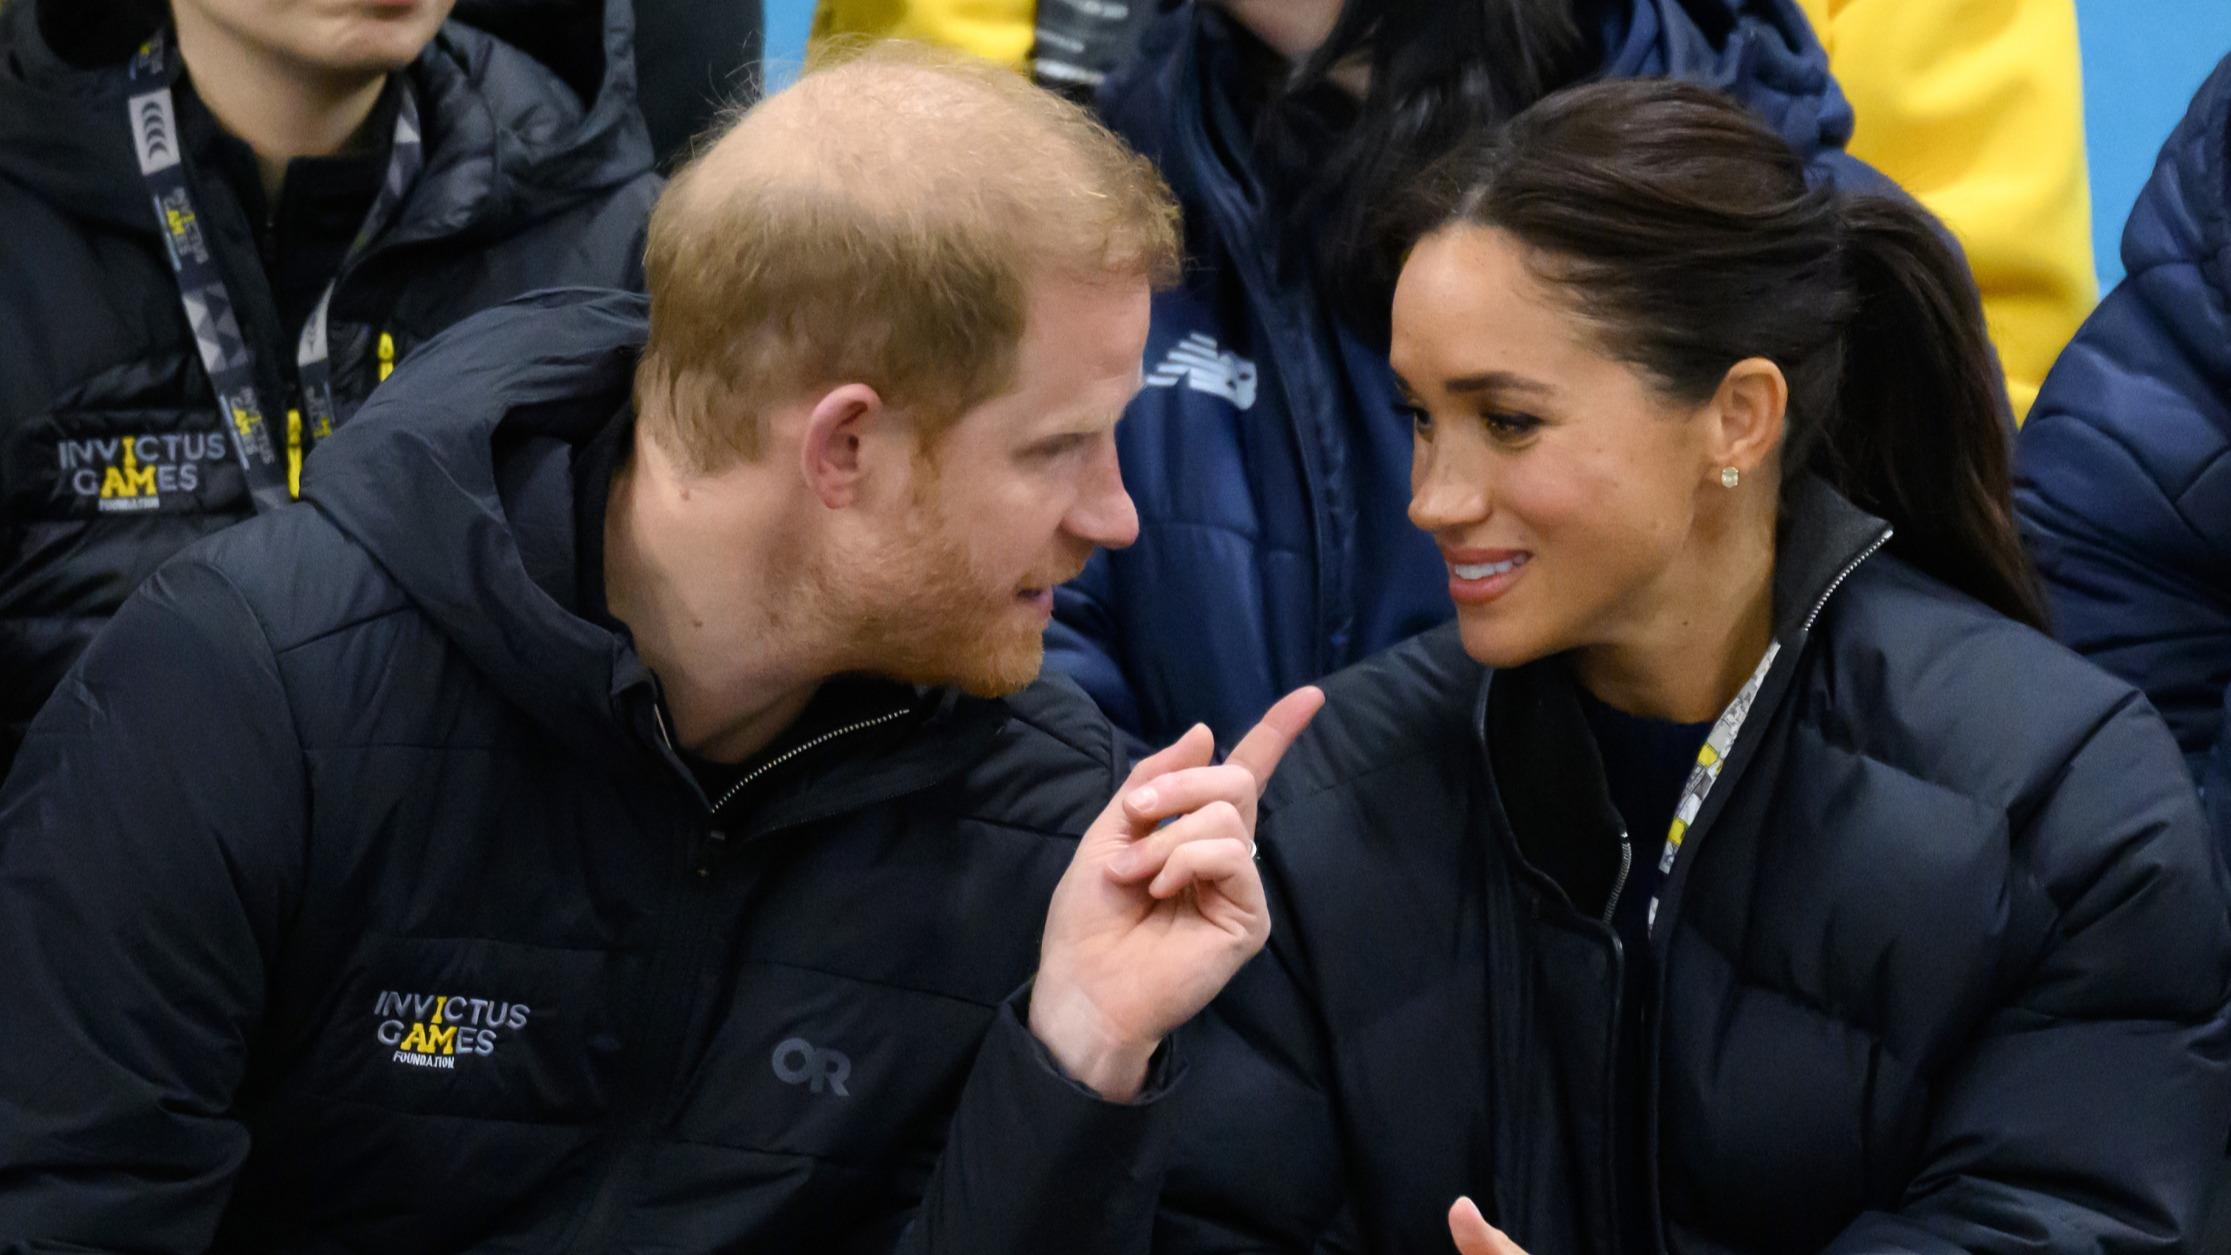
x=1742 y=871
x=614 y=811
x=227 y=220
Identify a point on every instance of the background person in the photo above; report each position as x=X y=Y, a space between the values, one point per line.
x=1976 y=107
x=2122 y=488
x=336 y=184
x=1742 y=872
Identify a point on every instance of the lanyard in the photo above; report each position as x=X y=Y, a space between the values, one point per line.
x=225 y=353
x=1706 y=773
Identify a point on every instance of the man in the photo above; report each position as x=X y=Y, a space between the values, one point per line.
x=621 y=842
x=227 y=220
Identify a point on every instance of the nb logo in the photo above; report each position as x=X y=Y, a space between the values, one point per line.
x=1196 y=362
x=800 y=1062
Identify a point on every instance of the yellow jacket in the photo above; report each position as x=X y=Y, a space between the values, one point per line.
x=1975 y=106
x=999 y=29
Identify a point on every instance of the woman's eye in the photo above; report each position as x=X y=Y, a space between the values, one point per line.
x=1415 y=415
x=1509 y=424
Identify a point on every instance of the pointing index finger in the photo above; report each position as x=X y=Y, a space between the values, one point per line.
x=1267 y=742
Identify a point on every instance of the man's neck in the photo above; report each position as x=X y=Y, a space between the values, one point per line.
x=731 y=693
x=281 y=111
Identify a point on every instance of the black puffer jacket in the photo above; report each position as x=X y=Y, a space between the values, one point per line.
x=537 y=174
x=372 y=911
x=1943 y=965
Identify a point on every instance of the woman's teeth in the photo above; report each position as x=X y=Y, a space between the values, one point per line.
x=1489 y=570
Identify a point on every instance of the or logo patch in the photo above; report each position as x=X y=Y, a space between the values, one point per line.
x=132 y=473
x=154 y=131
x=800 y=1062
x=435 y=1030
x=1197 y=363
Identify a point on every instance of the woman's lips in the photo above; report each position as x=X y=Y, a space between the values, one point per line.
x=1479 y=576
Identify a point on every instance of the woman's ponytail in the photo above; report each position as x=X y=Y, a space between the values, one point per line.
x=1920 y=433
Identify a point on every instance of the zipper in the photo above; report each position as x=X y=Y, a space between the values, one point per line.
x=778 y=760
x=1651 y=1128
x=1619 y=882
x=695 y=925
x=1845 y=574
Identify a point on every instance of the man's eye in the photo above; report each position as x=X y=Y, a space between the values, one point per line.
x=1415 y=415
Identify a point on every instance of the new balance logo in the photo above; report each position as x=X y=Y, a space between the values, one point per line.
x=800 y=1062
x=1196 y=362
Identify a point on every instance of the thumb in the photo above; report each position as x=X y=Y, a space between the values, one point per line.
x=1474 y=1235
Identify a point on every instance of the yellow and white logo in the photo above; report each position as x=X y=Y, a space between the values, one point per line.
x=435 y=1030
x=132 y=473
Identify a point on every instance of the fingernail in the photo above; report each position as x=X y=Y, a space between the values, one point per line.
x=1143 y=799
x=1125 y=863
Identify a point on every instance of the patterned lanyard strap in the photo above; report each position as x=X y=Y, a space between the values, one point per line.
x=225 y=353
x=1706 y=773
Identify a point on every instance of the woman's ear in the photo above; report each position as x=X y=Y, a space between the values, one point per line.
x=1750 y=412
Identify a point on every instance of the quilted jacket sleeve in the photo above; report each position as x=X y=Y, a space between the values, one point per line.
x=1256 y=1167
x=1037 y=1162
x=2123 y=483
x=144 y=880
x=2088 y=1111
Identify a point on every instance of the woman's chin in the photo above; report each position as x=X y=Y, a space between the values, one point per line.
x=1494 y=641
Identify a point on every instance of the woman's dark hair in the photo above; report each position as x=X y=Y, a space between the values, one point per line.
x=1439 y=70
x=1686 y=233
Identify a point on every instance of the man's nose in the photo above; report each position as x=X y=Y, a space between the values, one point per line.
x=1104 y=514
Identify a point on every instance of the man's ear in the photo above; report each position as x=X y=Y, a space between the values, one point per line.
x=830 y=458
x=1751 y=411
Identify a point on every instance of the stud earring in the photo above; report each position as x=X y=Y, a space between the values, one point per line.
x=1730 y=477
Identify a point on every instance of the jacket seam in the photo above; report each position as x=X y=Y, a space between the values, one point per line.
x=337 y=629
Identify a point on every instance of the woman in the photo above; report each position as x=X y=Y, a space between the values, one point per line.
x=1267 y=465
x=1742 y=871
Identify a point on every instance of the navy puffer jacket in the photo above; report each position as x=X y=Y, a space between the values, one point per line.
x=2124 y=469
x=1271 y=471
x=354 y=897
x=1942 y=965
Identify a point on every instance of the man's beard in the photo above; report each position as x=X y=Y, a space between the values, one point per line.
x=920 y=612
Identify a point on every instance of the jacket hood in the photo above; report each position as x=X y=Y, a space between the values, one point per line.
x=2183 y=218
x=527 y=108
x=473 y=442
x=1763 y=53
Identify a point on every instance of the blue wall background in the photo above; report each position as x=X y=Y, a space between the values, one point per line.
x=2143 y=59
